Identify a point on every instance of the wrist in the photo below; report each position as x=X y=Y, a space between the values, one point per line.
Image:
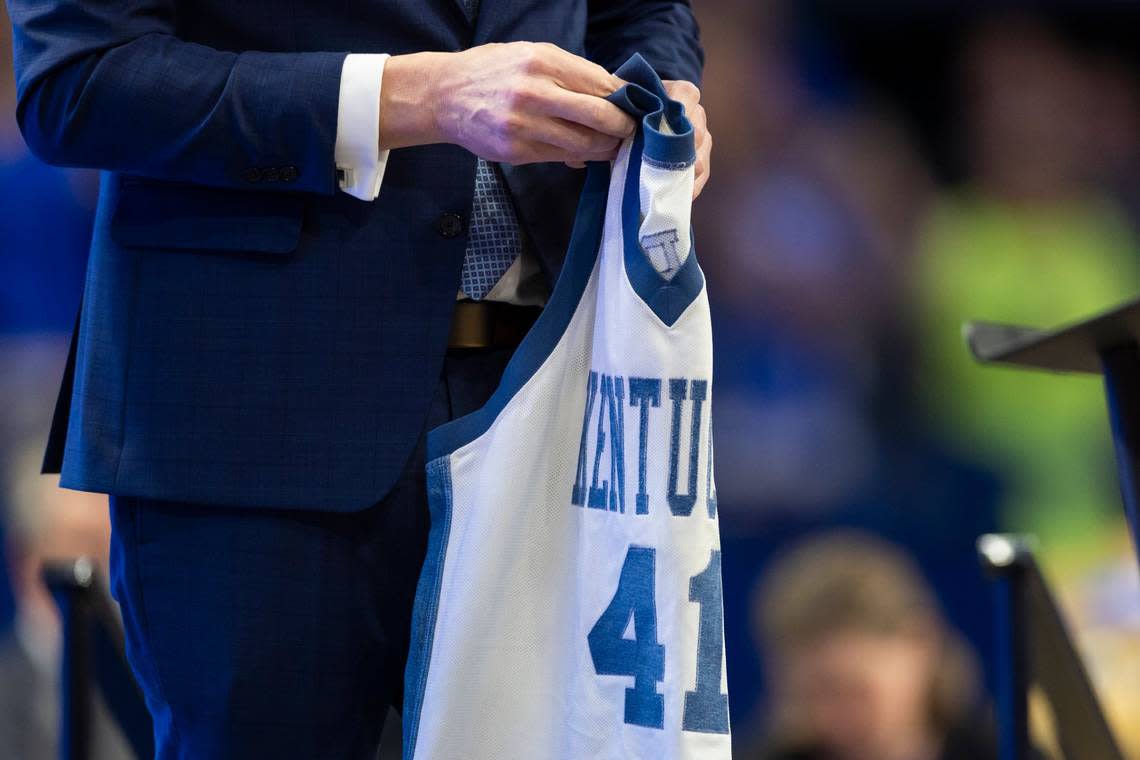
x=408 y=101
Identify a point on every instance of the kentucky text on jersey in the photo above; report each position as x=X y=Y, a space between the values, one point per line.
x=603 y=429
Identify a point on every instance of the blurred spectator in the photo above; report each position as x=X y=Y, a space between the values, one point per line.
x=45 y=229
x=862 y=665
x=807 y=238
x=45 y=223
x=44 y=523
x=814 y=247
x=1030 y=239
x=1113 y=121
x=805 y=234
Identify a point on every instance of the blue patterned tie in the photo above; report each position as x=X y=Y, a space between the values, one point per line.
x=494 y=240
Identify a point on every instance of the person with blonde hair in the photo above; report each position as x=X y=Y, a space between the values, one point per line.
x=861 y=664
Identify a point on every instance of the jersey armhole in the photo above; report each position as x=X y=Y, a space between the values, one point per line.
x=665 y=141
x=667 y=298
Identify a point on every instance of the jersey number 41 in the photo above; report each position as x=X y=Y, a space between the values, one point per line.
x=706 y=707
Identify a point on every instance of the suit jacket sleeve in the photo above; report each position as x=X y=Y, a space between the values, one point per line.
x=108 y=85
x=663 y=31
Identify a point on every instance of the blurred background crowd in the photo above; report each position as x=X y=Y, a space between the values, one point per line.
x=883 y=171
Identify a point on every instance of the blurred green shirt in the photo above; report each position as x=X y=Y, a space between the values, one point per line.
x=1047 y=435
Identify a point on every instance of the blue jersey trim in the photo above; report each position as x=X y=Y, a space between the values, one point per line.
x=645 y=97
x=427 y=599
x=668 y=298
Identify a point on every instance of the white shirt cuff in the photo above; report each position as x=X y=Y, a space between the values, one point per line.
x=359 y=161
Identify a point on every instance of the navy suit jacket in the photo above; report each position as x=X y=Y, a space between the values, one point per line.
x=250 y=335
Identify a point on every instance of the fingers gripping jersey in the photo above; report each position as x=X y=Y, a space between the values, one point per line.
x=570 y=604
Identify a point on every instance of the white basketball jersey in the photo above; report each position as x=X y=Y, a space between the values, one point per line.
x=570 y=604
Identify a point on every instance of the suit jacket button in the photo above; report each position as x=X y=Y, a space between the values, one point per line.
x=252 y=174
x=272 y=174
x=288 y=173
x=450 y=225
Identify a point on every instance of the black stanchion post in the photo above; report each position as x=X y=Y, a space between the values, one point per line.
x=94 y=660
x=1001 y=556
x=1108 y=344
x=70 y=585
x=1035 y=649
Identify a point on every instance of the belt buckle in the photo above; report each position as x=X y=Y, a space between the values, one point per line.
x=471 y=325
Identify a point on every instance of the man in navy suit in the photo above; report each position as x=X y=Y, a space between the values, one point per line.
x=322 y=227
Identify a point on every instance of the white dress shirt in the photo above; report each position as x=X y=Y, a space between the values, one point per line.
x=360 y=165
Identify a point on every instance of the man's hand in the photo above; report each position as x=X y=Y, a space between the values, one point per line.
x=515 y=102
x=688 y=94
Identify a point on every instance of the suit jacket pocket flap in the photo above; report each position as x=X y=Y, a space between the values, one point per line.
x=154 y=214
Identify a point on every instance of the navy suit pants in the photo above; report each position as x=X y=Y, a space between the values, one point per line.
x=279 y=633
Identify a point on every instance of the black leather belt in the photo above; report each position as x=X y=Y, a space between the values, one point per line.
x=490 y=324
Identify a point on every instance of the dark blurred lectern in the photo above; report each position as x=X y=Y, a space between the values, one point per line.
x=1107 y=344
x=1034 y=643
